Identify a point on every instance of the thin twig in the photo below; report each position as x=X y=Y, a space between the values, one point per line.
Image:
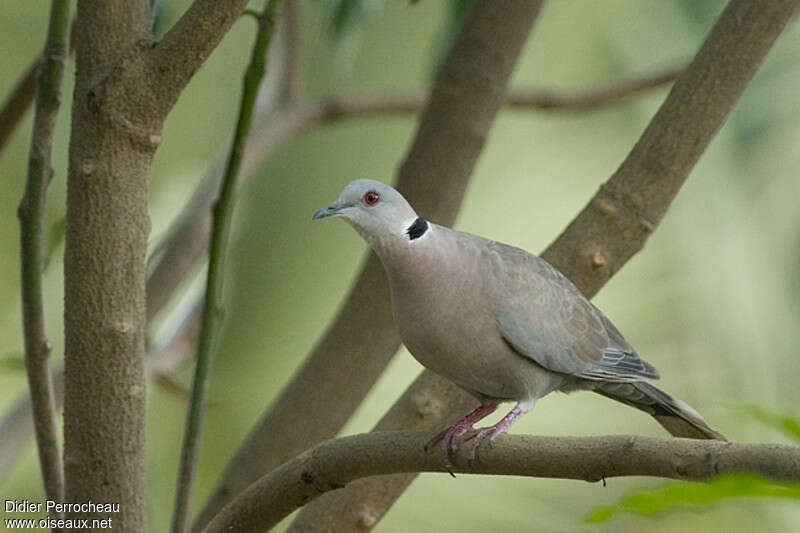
x=31 y=216
x=542 y=99
x=333 y=464
x=212 y=311
x=595 y=97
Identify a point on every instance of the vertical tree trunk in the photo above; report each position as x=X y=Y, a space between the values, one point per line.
x=104 y=268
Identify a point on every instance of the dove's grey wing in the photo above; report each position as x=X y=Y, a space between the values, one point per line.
x=544 y=317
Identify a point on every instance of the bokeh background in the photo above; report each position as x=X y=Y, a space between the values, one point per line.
x=712 y=300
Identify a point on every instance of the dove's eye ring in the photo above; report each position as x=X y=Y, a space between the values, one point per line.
x=371 y=198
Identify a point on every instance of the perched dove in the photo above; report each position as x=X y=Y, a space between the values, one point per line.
x=499 y=322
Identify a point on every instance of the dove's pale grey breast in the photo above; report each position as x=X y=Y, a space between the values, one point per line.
x=498 y=321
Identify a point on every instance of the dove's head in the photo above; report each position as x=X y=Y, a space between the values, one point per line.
x=375 y=210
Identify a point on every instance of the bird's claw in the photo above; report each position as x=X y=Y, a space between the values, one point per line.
x=477 y=436
x=450 y=439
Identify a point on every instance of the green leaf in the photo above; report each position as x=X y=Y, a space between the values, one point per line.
x=781 y=421
x=690 y=495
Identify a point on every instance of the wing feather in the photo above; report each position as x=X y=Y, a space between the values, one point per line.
x=544 y=317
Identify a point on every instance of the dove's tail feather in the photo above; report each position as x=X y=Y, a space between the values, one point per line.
x=675 y=416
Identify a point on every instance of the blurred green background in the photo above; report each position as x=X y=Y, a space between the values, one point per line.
x=712 y=301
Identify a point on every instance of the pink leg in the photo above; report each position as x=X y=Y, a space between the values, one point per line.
x=477 y=435
x=463 y=430
x=449 y=437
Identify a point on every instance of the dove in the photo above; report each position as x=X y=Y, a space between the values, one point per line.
x=499 y=322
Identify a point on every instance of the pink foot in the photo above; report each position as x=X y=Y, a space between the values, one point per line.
x=450 y=437
x=463 y=430
x=477 y=435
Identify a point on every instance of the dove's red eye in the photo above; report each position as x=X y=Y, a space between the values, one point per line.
x=371 y=198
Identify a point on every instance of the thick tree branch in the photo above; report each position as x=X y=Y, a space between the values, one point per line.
x=608 y=231
x=213 y=302
x=186 y=46
x=468 y=93
x=106 y=241
x=122 y=95
x=335 y=463
x=622 y=215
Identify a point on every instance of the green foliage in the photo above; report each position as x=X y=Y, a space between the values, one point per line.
x=781 y=421
x=697 y=496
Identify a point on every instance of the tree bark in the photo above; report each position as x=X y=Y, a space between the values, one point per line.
x=125 y=86
x=609 y=230
x=106 y=242
x=467 y=95
x=335 y=463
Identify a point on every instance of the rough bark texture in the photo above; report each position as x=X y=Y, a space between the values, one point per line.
x=335 y=463
x=467 y=95
x=106 y=241
x=608 y=231
x=125 y=86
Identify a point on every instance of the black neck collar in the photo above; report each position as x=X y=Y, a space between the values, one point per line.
x=417 y=229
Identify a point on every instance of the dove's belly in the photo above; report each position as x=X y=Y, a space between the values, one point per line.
x=459 y=344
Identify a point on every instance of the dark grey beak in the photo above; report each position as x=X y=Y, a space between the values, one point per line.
x=329 y=211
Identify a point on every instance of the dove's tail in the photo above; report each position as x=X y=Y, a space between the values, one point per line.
x=673 y=414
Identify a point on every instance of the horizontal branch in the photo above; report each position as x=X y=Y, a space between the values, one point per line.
x=542 y=99
x=334 y=463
